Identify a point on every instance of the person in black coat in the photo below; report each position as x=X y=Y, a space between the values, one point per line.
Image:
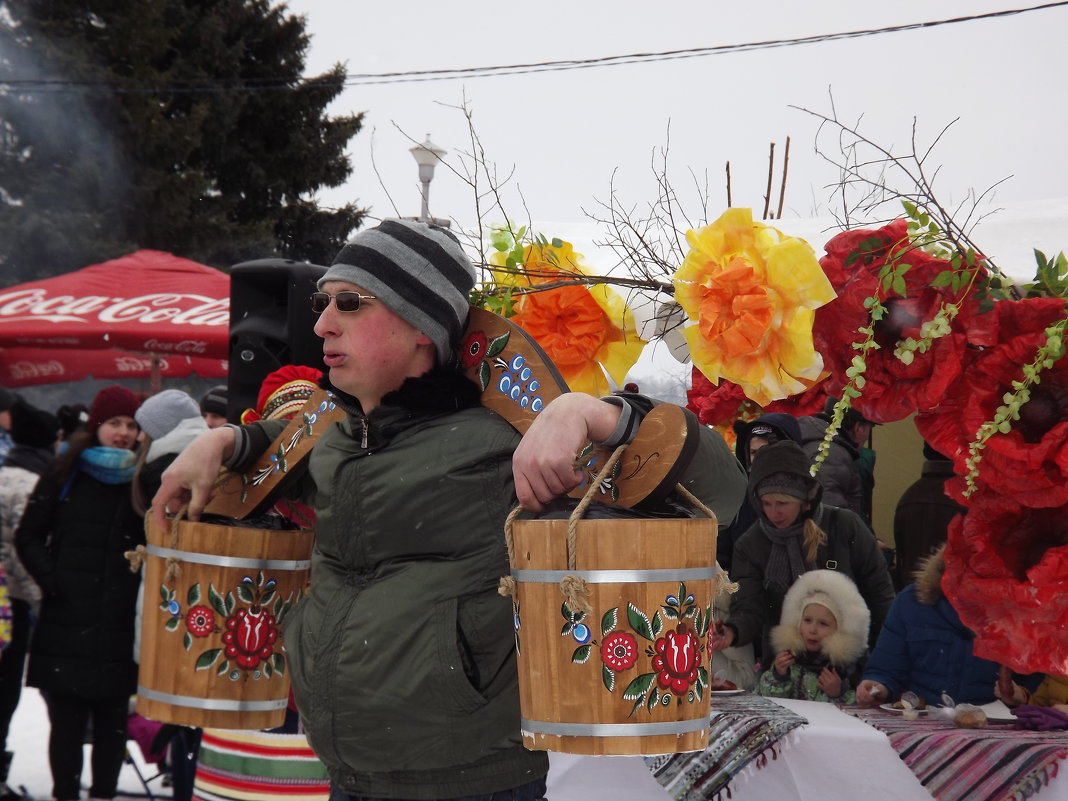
x=750 y=437
x=77 y=526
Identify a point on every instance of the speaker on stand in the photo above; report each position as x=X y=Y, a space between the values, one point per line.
x=270 y=325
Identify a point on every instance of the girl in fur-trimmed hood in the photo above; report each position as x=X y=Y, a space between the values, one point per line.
x=820 y=640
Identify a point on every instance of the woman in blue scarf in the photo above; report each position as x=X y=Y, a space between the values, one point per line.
x=77 y=525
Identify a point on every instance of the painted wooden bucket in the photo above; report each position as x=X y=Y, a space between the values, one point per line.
x=630 y=674
x=211 y=648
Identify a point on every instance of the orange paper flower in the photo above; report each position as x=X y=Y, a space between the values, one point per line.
x=751 y=292
x=587 y=331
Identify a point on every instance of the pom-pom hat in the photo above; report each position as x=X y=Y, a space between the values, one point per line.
x=113 y=401
x=418 y=271
x=159 y=415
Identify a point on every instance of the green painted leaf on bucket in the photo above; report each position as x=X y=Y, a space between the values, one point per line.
x=608 y=678
x=609 y=620
x=581 y=655
x=639 y=621
x=193 y=596
x=206 y=659
x=638 y=687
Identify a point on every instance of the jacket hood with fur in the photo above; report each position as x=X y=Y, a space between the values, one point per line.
x=837 y=592
x=928 y=578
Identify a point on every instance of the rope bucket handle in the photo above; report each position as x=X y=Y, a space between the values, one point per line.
x=138 y=555
x=575 y=590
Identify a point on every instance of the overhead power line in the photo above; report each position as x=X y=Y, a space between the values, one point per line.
x=463 y=73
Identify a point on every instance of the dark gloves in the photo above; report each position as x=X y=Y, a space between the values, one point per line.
x=1039 y=718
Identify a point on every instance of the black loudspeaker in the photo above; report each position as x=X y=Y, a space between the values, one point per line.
x=270 y=325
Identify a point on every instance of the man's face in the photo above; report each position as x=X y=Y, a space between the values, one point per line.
x=369 y=352
x=5 y=421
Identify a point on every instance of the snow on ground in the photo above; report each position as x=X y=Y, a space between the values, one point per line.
x=28 y=740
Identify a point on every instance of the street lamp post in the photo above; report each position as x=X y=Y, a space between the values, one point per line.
x=427 y=155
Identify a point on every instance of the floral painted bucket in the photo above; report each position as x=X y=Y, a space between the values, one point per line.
x=211 y=645
x=612 y=645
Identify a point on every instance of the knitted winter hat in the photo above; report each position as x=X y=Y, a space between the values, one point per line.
x=418 y=271
x=33 y=427
x=214 y=401
x=163 y=411
x=113 y=401
x=7 y=399
x=283 y=393
x=785 y=484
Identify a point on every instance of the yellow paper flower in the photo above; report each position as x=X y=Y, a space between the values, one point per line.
x=587 y=331
x=751 y=292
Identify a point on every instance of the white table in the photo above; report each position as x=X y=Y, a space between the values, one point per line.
x=836 y=757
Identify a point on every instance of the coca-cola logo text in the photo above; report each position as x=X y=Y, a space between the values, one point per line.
x=162 y=307
x=22 y=370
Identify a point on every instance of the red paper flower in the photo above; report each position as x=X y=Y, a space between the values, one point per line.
x=1007 y=577
x=1030 y=462
x=893 y=389
x=718 y=405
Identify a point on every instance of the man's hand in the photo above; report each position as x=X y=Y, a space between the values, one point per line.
x=190 y=477
x=871 y=693
x=544 y=463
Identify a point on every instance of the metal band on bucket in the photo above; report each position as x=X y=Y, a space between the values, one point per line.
x=616 y=576
x=229 y=561
x=214 y=704
x=531 y=727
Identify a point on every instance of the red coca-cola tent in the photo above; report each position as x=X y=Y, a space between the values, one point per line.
x=146 y=314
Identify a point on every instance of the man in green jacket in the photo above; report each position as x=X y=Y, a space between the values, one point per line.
x=402 y=657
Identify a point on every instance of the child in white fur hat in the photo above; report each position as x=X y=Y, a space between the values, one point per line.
x=821 y=638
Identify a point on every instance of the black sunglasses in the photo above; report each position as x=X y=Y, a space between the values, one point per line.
x=344 y=301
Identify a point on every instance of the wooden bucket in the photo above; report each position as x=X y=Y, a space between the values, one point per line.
x=630 y=676
x=211 y=649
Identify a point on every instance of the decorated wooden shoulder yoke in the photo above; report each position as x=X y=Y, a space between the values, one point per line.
x=518 y=380
x=239 y=495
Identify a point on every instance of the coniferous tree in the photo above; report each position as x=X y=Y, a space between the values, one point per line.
x=178 y=125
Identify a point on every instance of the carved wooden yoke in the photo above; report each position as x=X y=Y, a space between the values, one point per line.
x=518 y=380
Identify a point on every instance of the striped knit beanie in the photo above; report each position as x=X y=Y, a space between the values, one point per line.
x=418 y=271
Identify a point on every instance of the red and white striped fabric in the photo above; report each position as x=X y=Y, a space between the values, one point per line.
x=258 y=766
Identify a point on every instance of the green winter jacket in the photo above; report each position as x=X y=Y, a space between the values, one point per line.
x=403 y=655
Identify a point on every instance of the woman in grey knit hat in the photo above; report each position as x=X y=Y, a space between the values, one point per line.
x=796 y=533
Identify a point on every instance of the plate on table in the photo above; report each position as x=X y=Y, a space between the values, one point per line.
x=896 y=711
x=736 y=691
x=997 y=712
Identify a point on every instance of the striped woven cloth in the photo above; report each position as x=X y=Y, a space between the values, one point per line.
x=995 y=763
x=744 y=729
x=258 y=766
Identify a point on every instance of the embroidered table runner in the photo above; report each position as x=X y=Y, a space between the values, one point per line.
x=744 y=728
x=995 y=763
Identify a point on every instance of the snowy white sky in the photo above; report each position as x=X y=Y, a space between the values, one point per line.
x=569 y=135
x=565 y=132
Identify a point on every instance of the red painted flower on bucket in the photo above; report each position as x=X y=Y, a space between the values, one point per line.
x=676 y=660
x=249 y=637
x=200 y=620
x=619 y=650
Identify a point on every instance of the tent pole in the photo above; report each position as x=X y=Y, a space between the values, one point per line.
x=155 y=380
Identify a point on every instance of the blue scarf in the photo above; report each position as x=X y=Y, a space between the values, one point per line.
x=108 y=465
